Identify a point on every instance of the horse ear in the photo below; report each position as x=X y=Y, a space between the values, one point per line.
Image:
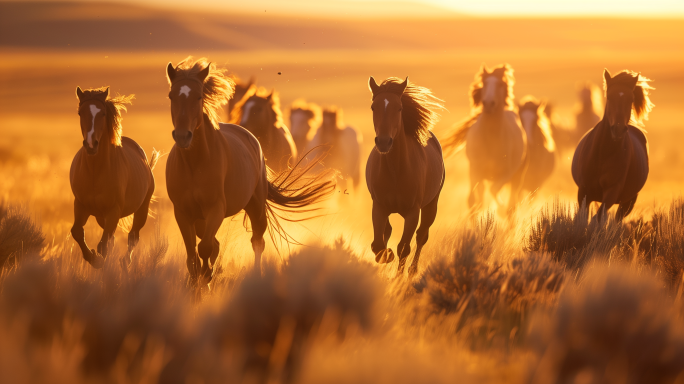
x=79 y=93
x=105 y=94
x=372 y=85
x=202 y=75
x=636 y=80
x=484 y=69
x=606 y=75
x=170 y=72
x=404 y=85
x=252 y=80
x=270 y=95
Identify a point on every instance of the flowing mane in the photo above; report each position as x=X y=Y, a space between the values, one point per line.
x=418 y=105
x=114 y=107
x=217 y=88
x=642 y=105
x=505 y=72
x=260 y=93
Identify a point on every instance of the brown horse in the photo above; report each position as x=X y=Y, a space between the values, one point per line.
x=611 y=161
x=110 y=176
x=344 y=142
x=259 y=112
x=240 y=89
x=541 y=148
x=304 y=117
x=496 y=145
x=405 y=170
x=216 y=170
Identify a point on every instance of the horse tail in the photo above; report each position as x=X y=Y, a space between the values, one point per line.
x=456 y=141
x=154 y=159
x=294 y=190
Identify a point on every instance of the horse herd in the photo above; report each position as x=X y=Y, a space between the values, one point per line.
x=256 y=164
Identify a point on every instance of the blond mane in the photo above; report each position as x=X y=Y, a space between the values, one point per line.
x=114 y=107
x=419 y=105
x=217 y=87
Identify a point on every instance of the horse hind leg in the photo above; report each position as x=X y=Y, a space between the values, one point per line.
x=476 y=196
x=625 y=208
x=256 y=211
x=139 y=220
x=427 y=218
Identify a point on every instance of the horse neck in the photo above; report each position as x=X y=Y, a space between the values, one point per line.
x=398 y=156
x=492 y=123
x=199 y=149
x=104 y=158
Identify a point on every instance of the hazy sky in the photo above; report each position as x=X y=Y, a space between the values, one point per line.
x=373 y=8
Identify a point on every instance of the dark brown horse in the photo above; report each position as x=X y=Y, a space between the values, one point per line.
x=405 y=170
x=495 y=143
x=216 y=170
x=240 y=89
x=259 y=112
x=304 y=118
x=541 y=147
x=111 y=177
x=611 y=161
x=344 y=143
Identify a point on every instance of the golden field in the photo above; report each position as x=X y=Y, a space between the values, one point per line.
x=495 y=300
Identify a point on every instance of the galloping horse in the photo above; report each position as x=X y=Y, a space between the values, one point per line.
x=303 y=118
x=110 y=175
x=494 y=141
x=259 y=112
x=405 y=170
x=345 y=145
x=215 y=170
x=541 y=148
x=611 y=161
x=240 y=89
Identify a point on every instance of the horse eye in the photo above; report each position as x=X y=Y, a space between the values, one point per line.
x=372 y=108
x=199 y=98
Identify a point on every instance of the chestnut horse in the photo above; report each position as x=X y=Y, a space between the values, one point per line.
x=304 y=117
x=541 y=148
x=240 y=89
x=496 y=144
x=611 y=161
x=344 y=142
x=405 y=170
x=110 y=175
x=216 y=170
x=259 y=112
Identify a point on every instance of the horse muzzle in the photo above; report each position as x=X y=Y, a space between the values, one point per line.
x=182 y=138
x=383 y=145
x=488 y=106
x=91 y=150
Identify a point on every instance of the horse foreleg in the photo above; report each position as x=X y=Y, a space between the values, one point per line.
x=404 y=247
x=77 y=232
x=200 y=227
x=379 y=245
x=111 y=221
x=213 y=217
x=476 y=197
x=516 y=187
x=187 y=230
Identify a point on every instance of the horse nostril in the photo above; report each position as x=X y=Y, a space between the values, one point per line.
x=390 y=142
x=189 y=135
x=173 y=134
x=95 y=143
x=377 y=142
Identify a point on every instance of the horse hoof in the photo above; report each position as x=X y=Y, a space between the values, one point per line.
x=413 y=269
x=125 y=263
x=95 y=259
x=385 y=256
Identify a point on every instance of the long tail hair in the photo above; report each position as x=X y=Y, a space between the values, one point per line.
x=295 y=190
x=456 y=141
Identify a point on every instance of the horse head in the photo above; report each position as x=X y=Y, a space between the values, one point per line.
x=494 y=92
x=619 y=101
x=187 y=104
x=257 y=112
x=387 y=117
x=530 y=109
x=93 y=115
x=303 y=117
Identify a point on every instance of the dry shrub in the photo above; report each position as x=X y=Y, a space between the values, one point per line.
x=563 y=231
x=149 y=328
x=616 y=327
x=667 y=242
x=487 y=301
x=19 y=234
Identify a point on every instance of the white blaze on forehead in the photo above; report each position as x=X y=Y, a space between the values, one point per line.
x=527 y=118
x=621 y=94
x=386 y=103
x=245 y=111
x=94 y=110
x=184 y=90
x=489 y=88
